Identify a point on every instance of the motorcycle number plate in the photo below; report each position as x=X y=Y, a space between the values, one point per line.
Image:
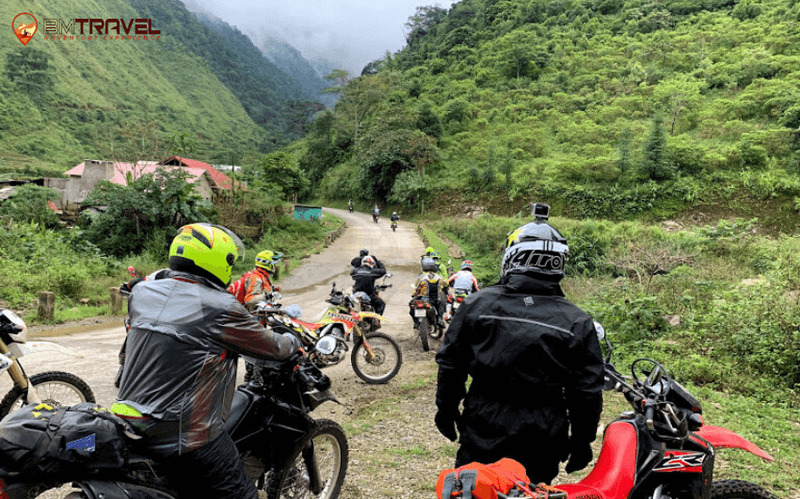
x=419 y=312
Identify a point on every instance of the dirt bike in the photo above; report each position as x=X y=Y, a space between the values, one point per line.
x=350 y=207
x=454 y=301
x=393 y=225
x=661 y=449
x=375 y=217
x=426 y=320
x=376 y=357
x=55 y=388
x=361 y=302
x=285 y=452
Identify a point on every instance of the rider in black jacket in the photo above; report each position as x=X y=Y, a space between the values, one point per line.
x=364 y=278
x=535 y=362
x=356 y=262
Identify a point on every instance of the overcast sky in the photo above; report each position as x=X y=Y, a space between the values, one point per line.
x=350 y=33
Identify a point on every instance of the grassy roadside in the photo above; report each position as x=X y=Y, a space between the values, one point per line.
x=86 y=295
x=755 y=404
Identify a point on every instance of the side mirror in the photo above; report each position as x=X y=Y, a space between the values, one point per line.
x=601 y=331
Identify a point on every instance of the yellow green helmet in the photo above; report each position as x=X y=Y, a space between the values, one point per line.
x=267 y=259
x=206 y=250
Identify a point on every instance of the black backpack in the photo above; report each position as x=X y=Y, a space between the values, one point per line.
x=39 y=439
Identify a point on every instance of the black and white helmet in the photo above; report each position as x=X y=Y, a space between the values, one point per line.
x=535 y=247
x=428 y=264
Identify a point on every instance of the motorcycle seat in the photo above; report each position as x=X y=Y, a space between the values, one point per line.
x=311 y=326
x=614 y=474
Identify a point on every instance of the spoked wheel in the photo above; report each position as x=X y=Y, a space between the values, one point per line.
x=423 y=334
x=738 y=489
x=321 y=457
x=435 y=332
x=385 y=362
x=55 y=388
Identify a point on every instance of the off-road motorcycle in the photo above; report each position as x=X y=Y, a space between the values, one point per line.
x=375 y=217
x=454 y=302
x=426 y=320
x=55 y=388
x=375 y=357
x=361 y=302
x=285 y=452
x=662 y=449
x=393 y=225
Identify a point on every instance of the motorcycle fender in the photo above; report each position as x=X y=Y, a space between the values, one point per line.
x=22 y=349
x=97 y=489
x=723 y=438
x=373 y=315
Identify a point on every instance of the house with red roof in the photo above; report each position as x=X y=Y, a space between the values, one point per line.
x=220 y=180
x=82 y=178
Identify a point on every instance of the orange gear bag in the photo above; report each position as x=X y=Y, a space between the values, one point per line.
x=481 y=481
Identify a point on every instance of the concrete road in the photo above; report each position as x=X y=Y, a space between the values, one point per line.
x=308 y=287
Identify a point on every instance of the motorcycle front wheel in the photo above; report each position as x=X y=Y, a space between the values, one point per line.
x=55 y=388
x=738 y=489
x=323 y=451
x=385 y=362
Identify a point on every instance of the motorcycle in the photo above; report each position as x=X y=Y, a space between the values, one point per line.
x=55 y=388
x=661 y=449
x=375 y=217
x=454 y=301
x=350 y=207
x=285 y=452
x=376 y=357
x=426 y=320
x=361 y=302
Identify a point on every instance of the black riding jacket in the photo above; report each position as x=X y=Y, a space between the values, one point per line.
x=536 y=369
x=364 y=279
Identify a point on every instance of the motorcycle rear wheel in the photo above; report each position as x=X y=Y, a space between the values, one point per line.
x=56 y=388
x=331 y=453
x=386 y=363
x=423 y=334
x=738 y=489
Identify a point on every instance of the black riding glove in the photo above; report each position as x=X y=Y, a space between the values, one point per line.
x=446 y=424
x=580 y=455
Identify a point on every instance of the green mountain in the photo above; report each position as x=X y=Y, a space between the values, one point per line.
x=605 y=108
x=292 y=62
x=195 y=91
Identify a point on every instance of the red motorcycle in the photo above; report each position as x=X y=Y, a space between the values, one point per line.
x=661 y=449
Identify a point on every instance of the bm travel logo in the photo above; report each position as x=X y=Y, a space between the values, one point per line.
x=86 y=29
x=24 y=26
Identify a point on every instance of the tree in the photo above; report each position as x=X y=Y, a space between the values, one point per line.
x=422 y=21
x=506 y=166
x=278 y=170
x=422 y=151
x=146 y=210
x=676 y=95
x=655 y=163
x=410 y=190
x=428 y=122
x=30 y=203
x=340 y=77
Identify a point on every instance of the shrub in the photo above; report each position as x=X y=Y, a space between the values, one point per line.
x=29 y=203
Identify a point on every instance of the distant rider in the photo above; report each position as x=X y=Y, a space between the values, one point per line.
x=356 y=262
x=395 y=217
x=364 y=278
x=441 y=267
x=463 y=281
x=186 y=335
x=350 y=204
x=256 y=286
x=432 y=285
x=375 y=213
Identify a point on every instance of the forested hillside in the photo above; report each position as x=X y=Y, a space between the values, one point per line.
x=292 y=62
x=605 y=108
x=195 y=91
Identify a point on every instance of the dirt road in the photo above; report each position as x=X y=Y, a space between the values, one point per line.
x=395 y=450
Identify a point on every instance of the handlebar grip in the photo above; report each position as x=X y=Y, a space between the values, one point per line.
x=649 y=413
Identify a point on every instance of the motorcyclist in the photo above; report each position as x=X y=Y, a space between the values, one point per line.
x=364 y=278
x=395 y=217
x=350 y=204
x=375 y=213
x=356 y=262
x=441 y=267
x=177 y=385
x=463 y=282
x=535 y=362
x=431 y=285
x=256 y=286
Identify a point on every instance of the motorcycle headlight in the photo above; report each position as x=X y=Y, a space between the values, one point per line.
x=21 y=333
x=326 y=345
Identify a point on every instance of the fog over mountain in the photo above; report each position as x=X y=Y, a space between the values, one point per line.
x=347 y=33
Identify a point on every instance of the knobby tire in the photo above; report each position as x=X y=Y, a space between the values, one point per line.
x=738 y=489
x=78 y=392
x=293 y=474
x=382 y=345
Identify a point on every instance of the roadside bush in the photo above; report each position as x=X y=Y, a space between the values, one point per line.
x=28 y=203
